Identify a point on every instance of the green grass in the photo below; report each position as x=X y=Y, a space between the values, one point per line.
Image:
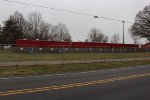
x=11 y=56
x=53 y=69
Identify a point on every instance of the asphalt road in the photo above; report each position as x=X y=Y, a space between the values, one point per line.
x=116 y=84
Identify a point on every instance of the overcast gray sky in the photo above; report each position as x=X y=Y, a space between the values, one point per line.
x=80 y=25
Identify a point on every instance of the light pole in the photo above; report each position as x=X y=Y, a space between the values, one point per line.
x=123 y=22
x=123 y=32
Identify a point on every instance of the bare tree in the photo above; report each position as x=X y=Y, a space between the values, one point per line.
x=38 y=28
x=0 y=34
x=115 y=38
x=63 y=32
x=141 y=26
x=35 y=21
x=105 y=40
x=53 y=34
x=44 y=30
x=96 y=35
x=0 y=29
x=86 y=40
x=23 y=24
x=60 y=33
x=19 y=19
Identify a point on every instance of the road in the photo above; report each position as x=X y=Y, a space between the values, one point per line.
x=115 y=84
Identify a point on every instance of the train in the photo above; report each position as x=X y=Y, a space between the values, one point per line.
x=57 y=44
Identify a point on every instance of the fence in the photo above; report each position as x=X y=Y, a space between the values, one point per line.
x=64 y=49
x=12 y=55
x=79 y=50
x=43 y=46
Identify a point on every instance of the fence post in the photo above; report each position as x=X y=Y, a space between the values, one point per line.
x=86 y=49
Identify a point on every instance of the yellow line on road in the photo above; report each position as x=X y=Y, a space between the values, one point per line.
x=23 y=91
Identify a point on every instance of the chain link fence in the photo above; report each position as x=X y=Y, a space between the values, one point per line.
x=63 y=49
x=62 y=54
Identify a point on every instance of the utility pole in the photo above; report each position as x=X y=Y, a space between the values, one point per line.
x=123 y=32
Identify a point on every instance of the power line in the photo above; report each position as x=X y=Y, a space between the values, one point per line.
x=29 y=4
x=69 y=11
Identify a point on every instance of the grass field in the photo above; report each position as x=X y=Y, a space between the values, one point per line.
x=11 y=56
x=53 y=69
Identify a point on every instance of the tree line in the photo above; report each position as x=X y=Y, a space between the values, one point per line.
x=34 y=27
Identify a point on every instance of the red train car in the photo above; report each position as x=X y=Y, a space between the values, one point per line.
x=54 y=44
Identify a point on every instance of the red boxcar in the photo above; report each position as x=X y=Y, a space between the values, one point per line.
x=54 y=44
